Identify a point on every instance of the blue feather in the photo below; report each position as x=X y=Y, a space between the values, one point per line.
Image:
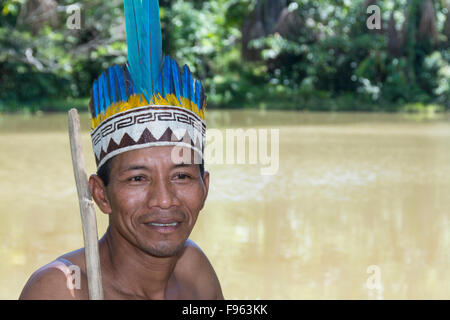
x=198 y=89
x=159 y=85
x=105 y=91
x=185 y=82
x=191 y=89
x=129 y=83
x=202 y=95
x=101 y=94
x=96 y=102
x=112 y=85
x=152 y=23
x=143 y=47
x=167 y=77
x=144 y=44
x=121 y=83
x=132 y=41
x=176 y=80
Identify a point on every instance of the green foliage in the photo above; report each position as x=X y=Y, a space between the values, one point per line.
x=335 y=53
x=330 y=62
x=56 y=63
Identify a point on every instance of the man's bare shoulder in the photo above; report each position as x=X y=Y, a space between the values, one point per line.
x=53 y=282
x=194 y=268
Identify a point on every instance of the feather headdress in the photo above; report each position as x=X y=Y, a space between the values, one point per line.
x=150 y=100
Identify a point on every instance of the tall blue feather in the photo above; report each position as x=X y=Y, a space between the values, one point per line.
x=144 y=44
x=132 y=41
x=156 y=40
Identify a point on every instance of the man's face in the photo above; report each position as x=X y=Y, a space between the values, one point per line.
x=153 y=202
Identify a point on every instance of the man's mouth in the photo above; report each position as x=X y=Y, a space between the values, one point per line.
x=163 y=227
x=163 y=224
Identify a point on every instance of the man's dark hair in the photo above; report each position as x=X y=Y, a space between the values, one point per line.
x=104 y=171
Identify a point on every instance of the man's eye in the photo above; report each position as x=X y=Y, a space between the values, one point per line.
x=182 y=176
x=137 y=179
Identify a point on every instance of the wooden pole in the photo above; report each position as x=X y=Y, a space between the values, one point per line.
x=88 y=219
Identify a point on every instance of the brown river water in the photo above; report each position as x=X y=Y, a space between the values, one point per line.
x=353 y=193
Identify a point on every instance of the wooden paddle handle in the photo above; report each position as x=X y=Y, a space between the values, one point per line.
x=88 y=219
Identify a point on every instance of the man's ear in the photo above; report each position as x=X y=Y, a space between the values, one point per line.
x=98 y=192
x=206 y=185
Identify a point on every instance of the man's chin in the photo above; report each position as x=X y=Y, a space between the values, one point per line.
x=164 y=249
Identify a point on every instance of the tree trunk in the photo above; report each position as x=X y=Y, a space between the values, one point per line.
x=288 y=24
x=394 y=40
x=447 y=23
x=369 y=3
x=261 y=22
x=38 y=13
x=427 y=26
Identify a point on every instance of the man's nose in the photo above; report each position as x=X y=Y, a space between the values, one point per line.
x=162 y=195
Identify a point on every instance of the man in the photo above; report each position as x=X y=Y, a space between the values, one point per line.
x=152 y=205
x=144 y=117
